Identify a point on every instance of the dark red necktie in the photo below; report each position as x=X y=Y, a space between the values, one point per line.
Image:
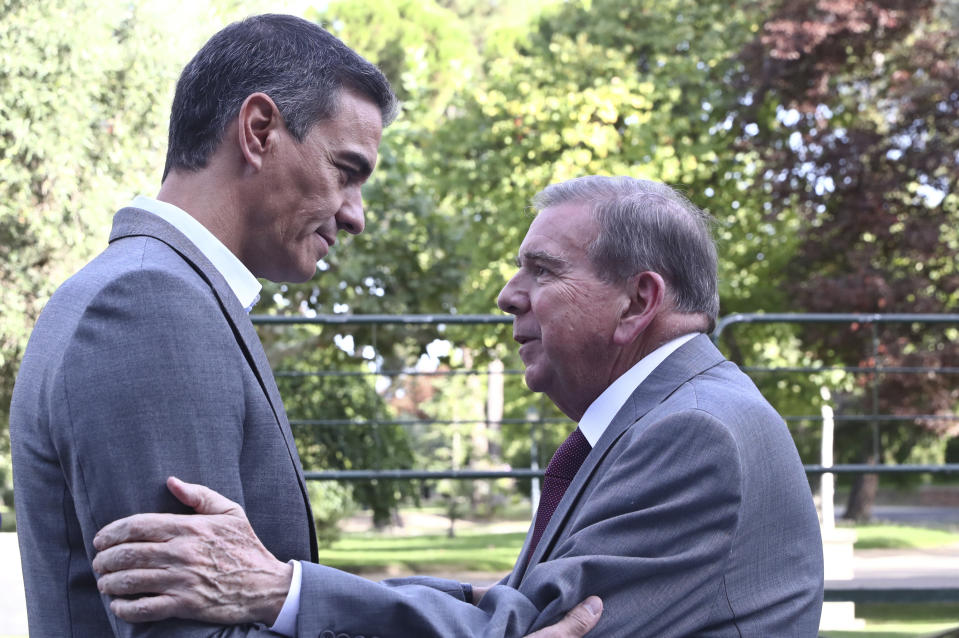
x=559 y=474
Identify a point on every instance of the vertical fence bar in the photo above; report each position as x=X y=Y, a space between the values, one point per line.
x=532 y=416
x=827 y=483
x=875 y=393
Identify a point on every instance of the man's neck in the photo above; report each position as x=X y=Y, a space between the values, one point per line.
x=671 y=326
x=207 y=200
x=661 y=331
x=601 y=411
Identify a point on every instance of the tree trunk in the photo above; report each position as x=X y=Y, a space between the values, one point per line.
x=862 y=495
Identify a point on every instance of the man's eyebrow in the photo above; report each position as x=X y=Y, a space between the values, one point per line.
x=359 y=161
x=540 y=257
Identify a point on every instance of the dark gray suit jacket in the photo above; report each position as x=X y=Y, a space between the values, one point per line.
x=141 y=366
x=692 y=516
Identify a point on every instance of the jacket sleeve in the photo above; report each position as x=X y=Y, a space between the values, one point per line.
x=649 y=536
x=148 y=387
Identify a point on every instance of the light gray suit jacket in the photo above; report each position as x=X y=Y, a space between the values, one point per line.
x=692 y=516
x=141 y=366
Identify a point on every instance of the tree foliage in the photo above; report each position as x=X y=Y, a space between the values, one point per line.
x=638 y=88
x=863 y=150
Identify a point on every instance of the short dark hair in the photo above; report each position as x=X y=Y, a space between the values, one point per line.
x=646 y=225
x=301 y=66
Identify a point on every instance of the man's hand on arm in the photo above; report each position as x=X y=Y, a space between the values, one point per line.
x=211 y=568
x=575 y=624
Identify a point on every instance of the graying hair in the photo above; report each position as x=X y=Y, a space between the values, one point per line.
x=646 y=226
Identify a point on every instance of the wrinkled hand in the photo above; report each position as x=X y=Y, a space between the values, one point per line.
x=208 y=566
x=577 y=622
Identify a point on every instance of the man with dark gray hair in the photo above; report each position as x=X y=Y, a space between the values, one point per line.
x=145 y=364
x=679 y=499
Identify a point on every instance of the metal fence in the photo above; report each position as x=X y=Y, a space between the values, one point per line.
x=723 y=328
x=870 y=323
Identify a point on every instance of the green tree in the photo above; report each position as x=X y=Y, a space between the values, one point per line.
x=603 y=87
x=609 y=87
x=330 y=398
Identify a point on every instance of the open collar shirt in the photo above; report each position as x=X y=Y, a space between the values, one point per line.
x=241 y=281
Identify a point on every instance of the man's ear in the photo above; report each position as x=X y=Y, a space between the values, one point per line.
x=646 y=293
x=259 y=123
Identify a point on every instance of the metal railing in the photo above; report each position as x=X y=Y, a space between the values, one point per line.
x=722 y=327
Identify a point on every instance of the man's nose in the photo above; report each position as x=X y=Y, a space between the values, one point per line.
x=350 y=216
x=511 y=299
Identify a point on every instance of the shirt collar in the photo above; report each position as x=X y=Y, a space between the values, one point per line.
x=244 y=285
x=601 y=411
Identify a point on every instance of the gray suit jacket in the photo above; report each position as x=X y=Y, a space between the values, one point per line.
x=692 y=516
x=142 y=365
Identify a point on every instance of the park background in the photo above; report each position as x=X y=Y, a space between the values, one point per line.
x=822 y=136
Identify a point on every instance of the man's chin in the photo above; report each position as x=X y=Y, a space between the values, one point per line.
x=535 y=382
x=302 y=274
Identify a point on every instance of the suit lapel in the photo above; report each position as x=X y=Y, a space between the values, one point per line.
x=690 y=360
x=132 y=222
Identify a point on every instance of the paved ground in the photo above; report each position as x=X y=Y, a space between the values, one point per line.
x=13 y=609
x=893 y=568
x=937 y=567
x=947 y=517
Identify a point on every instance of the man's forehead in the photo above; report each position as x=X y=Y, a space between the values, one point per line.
x=559 y=230
x=357 y=122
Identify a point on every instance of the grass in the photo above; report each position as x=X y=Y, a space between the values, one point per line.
x=479 y=550
x=902 y=620
x=468 y=551
x=902 y=537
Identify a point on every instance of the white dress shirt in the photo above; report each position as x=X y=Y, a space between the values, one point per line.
x=594 y=422
x=238 y=277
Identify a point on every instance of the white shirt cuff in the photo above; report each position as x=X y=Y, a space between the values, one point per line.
x=286 y=622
